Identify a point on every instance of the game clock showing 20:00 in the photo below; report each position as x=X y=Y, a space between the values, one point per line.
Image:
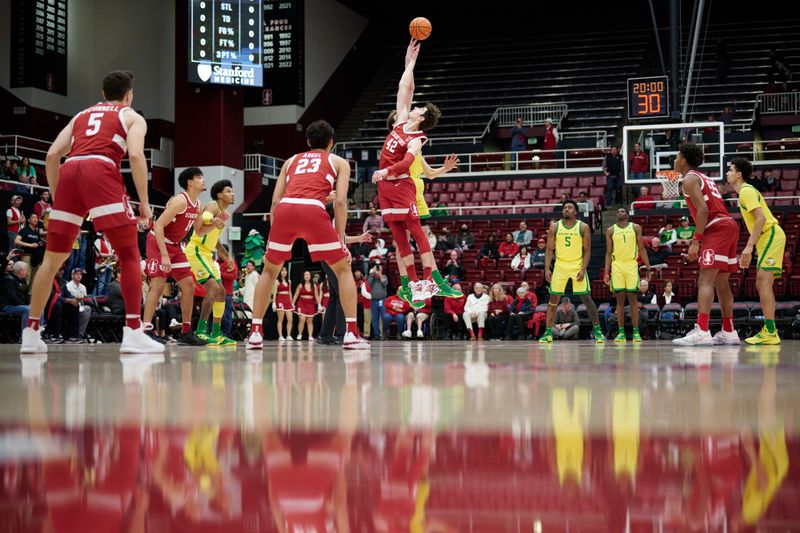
x=648 y=97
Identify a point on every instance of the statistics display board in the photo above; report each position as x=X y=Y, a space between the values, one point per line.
x=39 y=44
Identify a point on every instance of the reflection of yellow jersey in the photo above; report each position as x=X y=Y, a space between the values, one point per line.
x=568 y=426
x=773 y=458
x=625 y=246
x=750 y=199
x=626 y=409
x=569 y=244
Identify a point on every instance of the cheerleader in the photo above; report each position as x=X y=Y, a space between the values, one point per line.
x=306 y=300
x=283 y=304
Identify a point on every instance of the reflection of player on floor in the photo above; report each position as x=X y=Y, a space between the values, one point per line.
x=769 y=240
x=623 y=245
x=397 y=193
x=89 y=183
x=200 y=251
x=305 y=181
x=570 y=239
x=719 y=235
x=165 y=255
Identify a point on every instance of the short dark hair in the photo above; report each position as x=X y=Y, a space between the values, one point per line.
x=319 y=134
x=692 y=153
x=218 y=187
x=570 y=201
x=188 y=174
x=744 y=166
x=431 y=118
x=390 y=120
x=116 y=84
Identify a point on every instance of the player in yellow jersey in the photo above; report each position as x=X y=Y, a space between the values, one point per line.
x=200 y=252
x=769 y=240
x=623 y=245
x=570 y=239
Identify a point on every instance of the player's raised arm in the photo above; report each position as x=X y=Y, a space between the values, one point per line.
x=450 y=162
x=405 y=90
x=60 y=147
x=280 y=188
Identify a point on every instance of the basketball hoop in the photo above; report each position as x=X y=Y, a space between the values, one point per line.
x=670 y=182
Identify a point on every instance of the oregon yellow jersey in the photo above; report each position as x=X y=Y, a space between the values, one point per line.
x=750 y=199
x=568 y=427
x=626 y=247
x=416 y=168
x=208 y=242
x=569 y=243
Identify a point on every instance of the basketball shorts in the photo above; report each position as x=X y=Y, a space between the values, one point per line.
x=179 y=264
x=718 y=249
x=624 y=276
x=398 y=200
x=770 y=248
x=562 y=273
x=422 y=205
x=202 y=264
x=300 y=218
x=89 y=185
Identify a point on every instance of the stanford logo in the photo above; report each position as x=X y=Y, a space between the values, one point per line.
x=414 y=210
x=708 y=257
x=152 y=266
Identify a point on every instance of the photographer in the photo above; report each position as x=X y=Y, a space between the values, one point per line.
x=377 y=288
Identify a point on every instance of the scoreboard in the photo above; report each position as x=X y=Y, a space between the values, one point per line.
x=283 y=48
x=39 y=44
x=648 y=97
x=225 y=42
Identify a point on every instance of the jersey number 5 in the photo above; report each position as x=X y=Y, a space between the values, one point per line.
x=303 y=164
x=712 y=187
x=566 y=240
x=94 y=124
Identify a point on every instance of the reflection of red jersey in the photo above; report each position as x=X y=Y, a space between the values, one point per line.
x=178 y=227
x=396 y=145
x=712 y=196
x=311 y=175
x=100 y=131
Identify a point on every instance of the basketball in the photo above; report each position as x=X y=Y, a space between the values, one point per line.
x=420 y=28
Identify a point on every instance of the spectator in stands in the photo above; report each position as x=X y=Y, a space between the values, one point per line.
x=104 y=260
x=670 y=140
x=667 y=235
x=440 y=208
x=77 y=258
x=508 y=248
x=443 y=241
x=380 y=250
x=518 y=138
x=23 y=186
x=465 y=239
x=419 y=316
x=250 y=282
x=376 y=283
x=5 y=171
x=15 y=220
x=727 y=116
x=26 y=169
x=684 y=232
x=586 y=208
x=114 y=299
x=770 y=181
x=550 y=143
x=76 y=315
x=639 y=163
x=523 y=235
x=645 y=196
x=521 y=261
x=657 y=254
x=29 y=239
x=394 y=310
x=454 y=311
x=489 y=249
x=429 y=234
x=519 y=313
x=497 y=313
x=475 y=310
x=538 y=255
x=667 y=297
x=15 y=298
x=644 y=297
x=43 y=206
x=567 y=322
x=12 y=170
x=560 y=205
x=454 y=269
x=612 y=169
x=362 y=302
x=373 y=224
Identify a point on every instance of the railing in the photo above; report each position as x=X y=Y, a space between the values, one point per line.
x=270 y=166
x=779 y=103
x=667 y=203
x=29 y=189
x=524 y=162
x=533 y=114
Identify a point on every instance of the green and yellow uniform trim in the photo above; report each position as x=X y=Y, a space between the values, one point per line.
x=624 y=267
x=569 y=259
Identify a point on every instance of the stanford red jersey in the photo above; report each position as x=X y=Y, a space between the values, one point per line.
x=311 y=175
x=176 y=230
x=100 y=130
x=396 y=145
x=712 y=196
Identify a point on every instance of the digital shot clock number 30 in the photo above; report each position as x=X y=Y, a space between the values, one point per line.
x=648 y=97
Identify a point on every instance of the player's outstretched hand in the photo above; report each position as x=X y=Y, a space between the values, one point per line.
x=412 y=51
x=144 y=211
x=365 y=237
x=450 y=162
x=747 y=257
x=379 y=175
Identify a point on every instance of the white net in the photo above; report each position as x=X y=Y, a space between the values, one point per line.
x=670 y=183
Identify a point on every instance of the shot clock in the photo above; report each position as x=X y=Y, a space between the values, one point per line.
x=648 y=97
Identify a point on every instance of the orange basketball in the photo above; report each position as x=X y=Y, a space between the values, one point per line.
x=420 y=28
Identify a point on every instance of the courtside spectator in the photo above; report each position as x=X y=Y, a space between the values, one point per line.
x=15 y=298
x=475 y=311
x=657 y=254
x=567 y=321
x=497 y=316
x=454 y=311
x=419 y=316
x=394 y=310
x=520 y=312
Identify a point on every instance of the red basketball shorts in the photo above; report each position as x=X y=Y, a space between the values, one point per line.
x=718 y=249
x=301 y=218
x=398 y=199
x=89 y=185
x=179 y=264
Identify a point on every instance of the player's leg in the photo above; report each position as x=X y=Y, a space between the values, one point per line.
x=261 y=300
x=405 y=258
x=429 y=268
x=723 y=288
x=187 y=338
x=217 y=310
x=552 y=303
x=582 y=289
x=632 y=301
x=766 y=296
x=705 y=298
x=347 y=300
x=157 y=284
x=281 y=315
x=620 y=297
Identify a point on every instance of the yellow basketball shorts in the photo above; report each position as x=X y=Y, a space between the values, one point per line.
x=624 y=276
x=563 y=273
x=770 y=248
x=202 y=263
x=422 y=205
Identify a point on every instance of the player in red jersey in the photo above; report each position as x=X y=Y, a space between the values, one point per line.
x=165 y=256
x=89 y=183
x=397 y=192
x=298 y=212
x=714 y=242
